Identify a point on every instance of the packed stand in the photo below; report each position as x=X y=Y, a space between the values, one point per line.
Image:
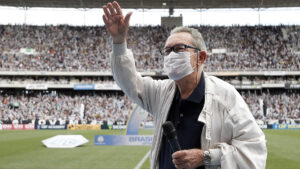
x=64 y=105
x=278 y=105
x=66 y=48
x=23 y=105
x=234 y=80
x=12 y=80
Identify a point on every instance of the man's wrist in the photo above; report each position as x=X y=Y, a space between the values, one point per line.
x=206 y=157
x=215 y=155
x=119 y=39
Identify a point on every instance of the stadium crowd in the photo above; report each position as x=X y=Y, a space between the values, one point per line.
x=66 y=48
x=66 y=105
x=234 y=80
x=111 y=107
x=55 y=80
x=277 y=105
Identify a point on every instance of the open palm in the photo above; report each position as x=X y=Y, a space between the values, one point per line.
x=116 y=24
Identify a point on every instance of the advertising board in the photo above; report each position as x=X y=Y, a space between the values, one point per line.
x=51 y=127
x=124 y=140
x=84 y=86
x=83 y=127
x=286 y=126
x=17 y=127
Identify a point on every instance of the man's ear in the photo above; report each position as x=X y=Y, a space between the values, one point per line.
x=202 y=56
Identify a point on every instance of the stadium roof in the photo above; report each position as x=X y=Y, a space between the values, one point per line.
x=154 y=3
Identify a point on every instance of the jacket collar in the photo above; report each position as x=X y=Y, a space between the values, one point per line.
x=206 y=111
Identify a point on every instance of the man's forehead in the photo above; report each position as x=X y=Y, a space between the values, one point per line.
x=179 y=38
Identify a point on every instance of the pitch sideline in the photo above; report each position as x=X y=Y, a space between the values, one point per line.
x=139 y=165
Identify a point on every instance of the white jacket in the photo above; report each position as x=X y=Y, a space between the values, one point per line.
x=230 y=132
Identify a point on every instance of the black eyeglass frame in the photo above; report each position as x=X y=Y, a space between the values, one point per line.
x=163 y=51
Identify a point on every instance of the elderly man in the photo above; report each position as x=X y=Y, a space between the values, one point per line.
x=214 y=125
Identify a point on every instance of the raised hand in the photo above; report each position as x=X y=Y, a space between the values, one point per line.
x=115 y=22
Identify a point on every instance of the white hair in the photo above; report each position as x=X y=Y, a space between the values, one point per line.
x=198 y=40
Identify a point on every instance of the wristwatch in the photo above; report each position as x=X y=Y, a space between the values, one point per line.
x=206 y=158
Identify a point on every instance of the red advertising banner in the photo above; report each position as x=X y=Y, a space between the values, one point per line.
x=28 y=126
x=17 y=126
x=6 y=127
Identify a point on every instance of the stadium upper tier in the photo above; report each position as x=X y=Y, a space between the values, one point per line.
x=66 y=48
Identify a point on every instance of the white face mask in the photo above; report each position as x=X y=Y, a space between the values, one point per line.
x=178 y=65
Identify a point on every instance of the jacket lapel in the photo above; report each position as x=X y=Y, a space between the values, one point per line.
x=206 y=113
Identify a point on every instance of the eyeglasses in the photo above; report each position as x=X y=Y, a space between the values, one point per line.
x=177 y=48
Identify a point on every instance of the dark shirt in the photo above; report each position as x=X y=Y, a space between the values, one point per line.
x=184 y=115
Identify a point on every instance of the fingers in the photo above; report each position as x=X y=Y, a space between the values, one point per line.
x=113 y=15
x=179 y=154
x=179 y=161
x=111 y=9
x=113 y=12
x=118 y=8
x=183 y=166
x=180 y=166
x=105 y=20
x=107 y=14
x=127 y=18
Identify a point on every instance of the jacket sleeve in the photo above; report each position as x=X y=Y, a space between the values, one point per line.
x=247 y=149
x=144 y=91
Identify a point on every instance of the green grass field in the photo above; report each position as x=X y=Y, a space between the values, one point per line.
x=24 y=150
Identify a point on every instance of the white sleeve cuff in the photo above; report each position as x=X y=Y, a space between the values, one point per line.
x=215 y=155
x=119 y=49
